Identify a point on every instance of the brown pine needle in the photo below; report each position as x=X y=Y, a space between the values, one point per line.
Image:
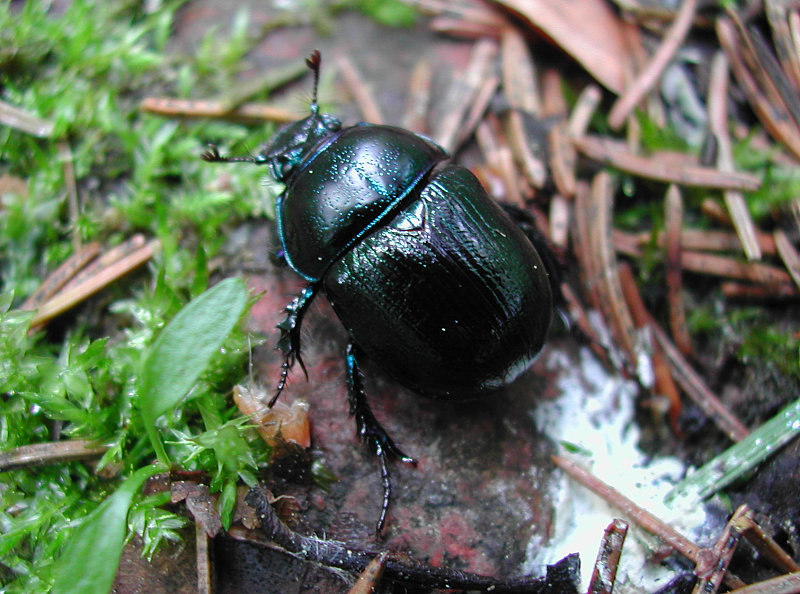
x=609 y=153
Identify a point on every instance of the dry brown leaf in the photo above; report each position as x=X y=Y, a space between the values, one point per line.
x=588 y=30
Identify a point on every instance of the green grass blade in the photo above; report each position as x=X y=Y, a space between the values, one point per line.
x=741 y=458
x=90 y=560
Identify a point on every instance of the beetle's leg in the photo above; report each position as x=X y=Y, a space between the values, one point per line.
x=370 y=431
x=289 y=342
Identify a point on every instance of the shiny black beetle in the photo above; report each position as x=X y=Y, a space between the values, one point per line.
x=431 y=278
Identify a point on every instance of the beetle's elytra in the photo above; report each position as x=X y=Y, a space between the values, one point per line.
x=430 y=277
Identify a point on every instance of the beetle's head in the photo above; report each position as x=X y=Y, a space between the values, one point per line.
x=292 y=142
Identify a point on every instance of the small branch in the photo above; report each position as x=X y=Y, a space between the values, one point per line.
x=605 y=567
x=734 y=290
x=54 y=452
x=785 y=584
x=664 y=382
x=603 y=267
x=698 y=391
x=359 y=91
x=718 y=123
x=105 y=259
x=584 y=109
x=61 y=275
x=520 y=86
x=205 y=578
x=733 y=268
x=71 y=297
x=674 y=276
x=724 y=549
x=415 y=117
x=498 y=154
x=200 y=108
x=763 y=98
x=561 y=577
x=608 y=153
x=765 y=544
x=650 y=75
x=73 y=200
x=699 y=240
x=562 y=159
x=789 y=255
x=476 y=111
x=368 y=581
x=20 y=119
x=462 y=92
x=703 y=558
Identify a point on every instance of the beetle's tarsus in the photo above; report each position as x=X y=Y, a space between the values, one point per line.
x=387 y=491
x=289 y=341
x=367 y=426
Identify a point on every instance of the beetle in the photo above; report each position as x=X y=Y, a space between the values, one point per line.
x=431 y=278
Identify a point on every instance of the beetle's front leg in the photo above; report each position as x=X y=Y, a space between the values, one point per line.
x=370 y=431
x=289 y=342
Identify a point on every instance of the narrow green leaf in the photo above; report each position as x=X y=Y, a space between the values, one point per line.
x=6 y=299
x=90 y=559
x=184 y=348
x=741 y=458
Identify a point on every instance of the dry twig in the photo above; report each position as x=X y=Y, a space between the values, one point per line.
x=359 y=90
x=674 y=277
x=704 y=559
x=368 y=581
x=462 y=92
x=600 y=265
x=718 y=120
x=74 y=294
x=54 y=452
x=608 y=153
x=761 y=93
x=419 y=94
x=697 y=390
x=332 y=554
x=664 y=382
x=650 y=75
x=605 y=567
x=195 y=108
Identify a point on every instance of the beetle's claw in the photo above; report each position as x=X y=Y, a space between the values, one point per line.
x=371 y=432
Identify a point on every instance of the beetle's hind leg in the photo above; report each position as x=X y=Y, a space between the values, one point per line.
x=289 y=342
x=370 y=431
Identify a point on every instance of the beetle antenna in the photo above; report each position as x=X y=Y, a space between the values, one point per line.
x=211 y=154
x=313 y=62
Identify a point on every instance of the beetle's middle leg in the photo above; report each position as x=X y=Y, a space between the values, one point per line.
x=370 y=430
x=289 y=342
